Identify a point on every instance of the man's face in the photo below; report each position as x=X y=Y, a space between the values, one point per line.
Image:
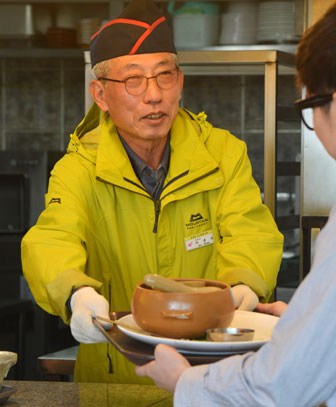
x=148 y=116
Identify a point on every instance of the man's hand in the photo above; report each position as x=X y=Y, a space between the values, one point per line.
x=245 y=299
x=86 y=303
x=274 y=308
x=166 y=369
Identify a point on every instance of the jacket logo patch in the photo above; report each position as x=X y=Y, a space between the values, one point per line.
x=55 y=200
x=195 y=217
x=196 y=221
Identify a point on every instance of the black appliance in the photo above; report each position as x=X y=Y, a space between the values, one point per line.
x=14 y=203
x=24 y=176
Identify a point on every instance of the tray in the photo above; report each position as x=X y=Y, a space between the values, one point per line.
x=140 y=353
x=6 y=392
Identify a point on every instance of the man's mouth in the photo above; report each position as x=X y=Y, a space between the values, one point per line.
x=154 y=116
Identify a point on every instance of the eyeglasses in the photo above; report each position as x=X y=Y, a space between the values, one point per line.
x=311 y=103
x=137 y=84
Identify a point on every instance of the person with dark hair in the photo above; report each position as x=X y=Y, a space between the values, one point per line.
x=297 y=367
x=145 y=187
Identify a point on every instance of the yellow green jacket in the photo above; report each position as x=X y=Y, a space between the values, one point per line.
x=101 y=228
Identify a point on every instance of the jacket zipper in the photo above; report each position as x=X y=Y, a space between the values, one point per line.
x=157 y=206
x=157 y=203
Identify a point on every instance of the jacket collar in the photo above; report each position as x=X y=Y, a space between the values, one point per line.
x=97 y=140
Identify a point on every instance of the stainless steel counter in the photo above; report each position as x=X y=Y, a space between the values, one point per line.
x=56 y=364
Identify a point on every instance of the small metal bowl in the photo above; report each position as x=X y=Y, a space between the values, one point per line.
x=229 y=335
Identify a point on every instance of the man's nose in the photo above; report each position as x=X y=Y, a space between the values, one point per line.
x=153 y=92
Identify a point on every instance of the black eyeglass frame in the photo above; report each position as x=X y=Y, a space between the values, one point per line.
x=310 y=103
x=177 y=69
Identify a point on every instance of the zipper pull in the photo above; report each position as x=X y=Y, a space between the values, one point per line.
x=109 y=361
x=157 y=206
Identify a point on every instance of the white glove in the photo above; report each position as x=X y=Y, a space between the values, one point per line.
x=86 y=303
x=245 y=299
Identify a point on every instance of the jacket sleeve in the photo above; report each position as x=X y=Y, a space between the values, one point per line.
x=250 y=246
x=53 y=252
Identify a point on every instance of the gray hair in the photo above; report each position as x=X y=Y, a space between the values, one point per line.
x=102 y=69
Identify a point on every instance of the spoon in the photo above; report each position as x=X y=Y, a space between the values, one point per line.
x=169 y=285
x=123 y=325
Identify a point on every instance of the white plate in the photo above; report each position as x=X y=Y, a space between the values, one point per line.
x=262 y=324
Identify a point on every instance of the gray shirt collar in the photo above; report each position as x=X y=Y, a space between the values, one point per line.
x=144 y=172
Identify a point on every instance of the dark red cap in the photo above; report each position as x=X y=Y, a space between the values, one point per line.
x=140 y=29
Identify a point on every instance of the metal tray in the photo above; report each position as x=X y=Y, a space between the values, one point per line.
x=138 y=352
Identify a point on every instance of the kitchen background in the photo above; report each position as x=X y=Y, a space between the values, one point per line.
x=42 y=99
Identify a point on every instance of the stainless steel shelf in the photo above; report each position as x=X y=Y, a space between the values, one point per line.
x=291 y=48
x=233 y=56
x=32 y=52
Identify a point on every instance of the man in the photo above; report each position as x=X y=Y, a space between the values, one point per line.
x=298 y=366
x=145 y=187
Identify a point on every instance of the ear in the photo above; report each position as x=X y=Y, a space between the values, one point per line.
x=97 y=91
x=181 y=80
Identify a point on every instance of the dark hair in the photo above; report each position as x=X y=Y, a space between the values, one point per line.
x=316 y=55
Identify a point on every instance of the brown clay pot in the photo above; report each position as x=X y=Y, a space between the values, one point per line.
x=182 y=315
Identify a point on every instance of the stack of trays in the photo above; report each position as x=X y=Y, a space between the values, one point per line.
x=276 y=22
